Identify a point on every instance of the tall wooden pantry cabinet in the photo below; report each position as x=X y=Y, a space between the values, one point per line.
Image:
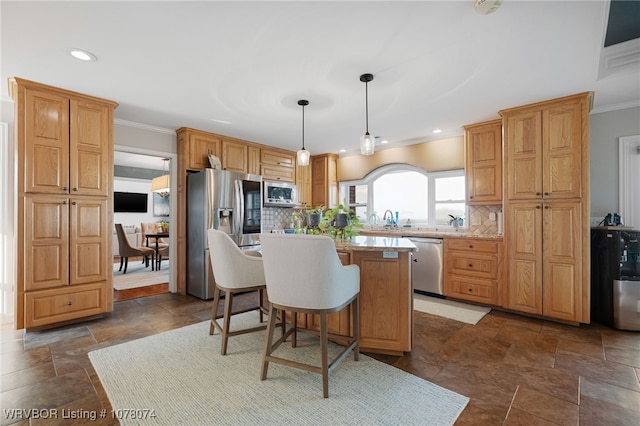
x=64 y=196
x=546 y=167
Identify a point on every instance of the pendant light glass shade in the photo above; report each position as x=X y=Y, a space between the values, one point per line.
x=367 y=142
x=303 y=154
x=303 y=157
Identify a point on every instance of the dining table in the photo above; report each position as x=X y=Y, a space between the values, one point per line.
x=156 y=258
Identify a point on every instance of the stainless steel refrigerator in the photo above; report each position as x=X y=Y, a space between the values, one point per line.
x=228 y=201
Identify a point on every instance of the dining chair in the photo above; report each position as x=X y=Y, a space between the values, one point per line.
x=234 y=272
x=303 y=274
x=163 y=254
x=153 y=228
x=126 y=250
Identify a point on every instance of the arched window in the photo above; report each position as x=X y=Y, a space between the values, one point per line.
x=426 y=199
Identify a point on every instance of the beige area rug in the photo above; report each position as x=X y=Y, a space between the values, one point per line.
x=139 y=276
x=180 y=378
x=469 y=314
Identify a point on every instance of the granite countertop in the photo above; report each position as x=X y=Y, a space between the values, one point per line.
x=426 y=232
x=376 y=243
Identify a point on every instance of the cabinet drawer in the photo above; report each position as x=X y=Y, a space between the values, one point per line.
x=62 y=304
x=472 y=245
x=477 y=266
x=483 y=291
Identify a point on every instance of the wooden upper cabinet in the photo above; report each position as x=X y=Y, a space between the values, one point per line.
x=90 y=148
x=303 y=182
x=46 y=142
x=544 y=148
x=277 y=158
x=199 y=146
x=67 y=144
x=234 y=156
x=483 y=162
x=562 y=149
x=523 y=155
x=324 y=181
x=253 y=155
x=277 y=165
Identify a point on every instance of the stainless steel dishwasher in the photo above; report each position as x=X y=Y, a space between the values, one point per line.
x=427 y=273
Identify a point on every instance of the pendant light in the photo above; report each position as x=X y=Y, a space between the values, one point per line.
x=160 y=184
x=367 y=142
x=303 y=154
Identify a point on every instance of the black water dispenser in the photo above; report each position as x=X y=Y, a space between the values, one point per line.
x=615 y=278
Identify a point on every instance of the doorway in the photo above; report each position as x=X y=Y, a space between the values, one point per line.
x=134 y=170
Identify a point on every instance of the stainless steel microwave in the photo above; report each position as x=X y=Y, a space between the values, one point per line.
x=280 y=194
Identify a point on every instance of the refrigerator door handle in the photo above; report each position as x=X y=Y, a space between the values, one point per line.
x=238 y=215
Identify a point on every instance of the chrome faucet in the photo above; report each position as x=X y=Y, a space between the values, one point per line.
x=388 y=220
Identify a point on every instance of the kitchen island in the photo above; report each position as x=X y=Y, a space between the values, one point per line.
x=386 y=295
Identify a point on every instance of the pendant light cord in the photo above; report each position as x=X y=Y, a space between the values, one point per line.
x=366 y=103
x=302 y=126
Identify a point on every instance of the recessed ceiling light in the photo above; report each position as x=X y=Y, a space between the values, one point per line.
x=83 y=55
x=437 y=131
x=384 y=141
x=343 y=150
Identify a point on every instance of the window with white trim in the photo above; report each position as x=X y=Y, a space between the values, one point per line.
x=427 y=199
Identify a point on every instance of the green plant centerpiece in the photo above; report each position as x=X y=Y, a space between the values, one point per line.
x=339 y=222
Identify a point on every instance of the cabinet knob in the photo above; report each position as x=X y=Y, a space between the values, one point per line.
x=471 y=197
x=547 y=207
x=470 y=290
x=471 y=265
x=538 y=194
x=69 y=303
x=75 y=189
x=546 y=193
x=74 y=202
x=65 y=188
x=470 y=245
x=64 y=202
x=538 y=207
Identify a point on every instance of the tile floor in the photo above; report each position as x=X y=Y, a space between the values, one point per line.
x=516 y=370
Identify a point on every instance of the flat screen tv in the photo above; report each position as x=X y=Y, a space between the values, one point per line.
x=129 y=202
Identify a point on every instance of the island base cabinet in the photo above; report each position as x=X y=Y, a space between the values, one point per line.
x=386 y=301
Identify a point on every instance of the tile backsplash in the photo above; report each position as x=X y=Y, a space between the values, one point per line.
x=276 y=218
x=479 y=222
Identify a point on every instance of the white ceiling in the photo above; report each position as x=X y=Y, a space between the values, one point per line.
x=239 y=68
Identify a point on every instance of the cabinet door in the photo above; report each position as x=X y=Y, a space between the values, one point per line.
x=277 y=158
x=88 y=240
x=524 y=248
x=523 y=145
x=562 y=260
x=385 y=300
x=46 y=241
x=484 y=164
x=254 y=160
x=562 y=148
x=200 y=146
x=234 y=156
x=46 y=150
x=303 y=181
x=91 y=147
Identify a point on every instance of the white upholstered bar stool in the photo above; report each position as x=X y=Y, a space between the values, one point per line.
x=304 y=275
x=234 y=272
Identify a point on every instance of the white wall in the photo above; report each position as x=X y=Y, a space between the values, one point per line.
x=604 y=130
x=135 y=185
